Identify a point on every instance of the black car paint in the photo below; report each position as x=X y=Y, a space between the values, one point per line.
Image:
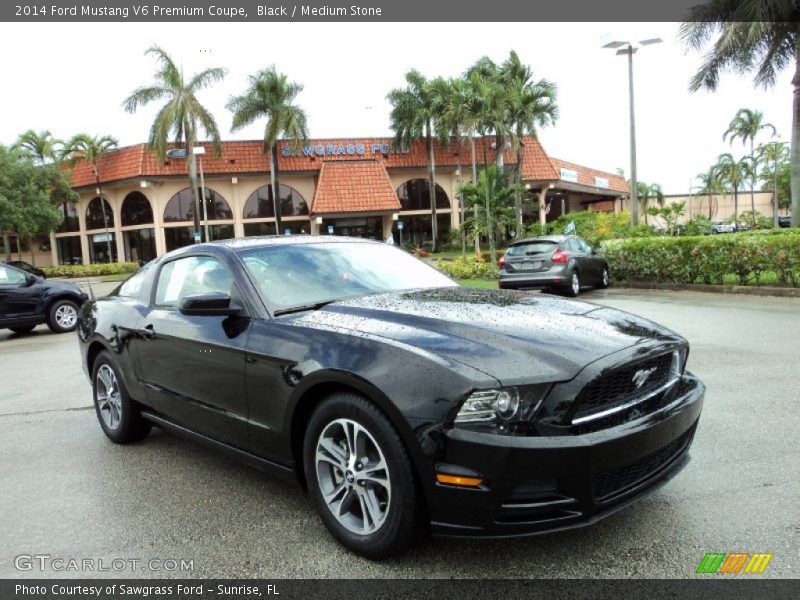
x=249 y=382
x=27 y=304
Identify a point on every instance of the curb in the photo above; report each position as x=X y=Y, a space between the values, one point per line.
x=744 y=290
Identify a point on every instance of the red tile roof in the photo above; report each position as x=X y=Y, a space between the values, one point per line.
x=586 y=175
x=354 y=186
x=243 y=157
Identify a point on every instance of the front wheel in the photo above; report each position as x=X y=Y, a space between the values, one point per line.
x=604 y=278
x=118 y=414
x=360 y=477
x=63 y=316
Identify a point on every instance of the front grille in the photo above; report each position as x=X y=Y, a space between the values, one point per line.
x=619 y=386
x=615 y=481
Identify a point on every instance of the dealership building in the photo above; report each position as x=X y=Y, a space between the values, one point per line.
x=142 y=207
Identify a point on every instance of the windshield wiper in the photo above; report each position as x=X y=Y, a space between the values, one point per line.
x=296 y=309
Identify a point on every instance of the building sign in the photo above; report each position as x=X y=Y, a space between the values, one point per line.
x=103 y=237
x=601 y=182
x=352 y=149
x=569 y=175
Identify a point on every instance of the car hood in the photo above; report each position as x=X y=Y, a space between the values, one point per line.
x=62 y=287
x=512 y=336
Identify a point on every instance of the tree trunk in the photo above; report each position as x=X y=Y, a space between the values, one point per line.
x=752 y=187
x=460 y=196
x=710 y=205
x=103 y=210
x=518 y=193
x=192 y=164
x=7 y=245
x=736 y=208
x=432 y=186
x=31 y=243
x=276 y=186
x=795 y=144
x=475 y=182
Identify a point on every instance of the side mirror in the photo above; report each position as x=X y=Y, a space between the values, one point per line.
x=209 y=305
x=595 y=250
x=30 y=279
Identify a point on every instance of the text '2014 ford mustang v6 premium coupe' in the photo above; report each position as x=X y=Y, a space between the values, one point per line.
x=403 y=402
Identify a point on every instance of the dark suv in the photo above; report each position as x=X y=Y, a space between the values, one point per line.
x=26 y=300
x=565 y=264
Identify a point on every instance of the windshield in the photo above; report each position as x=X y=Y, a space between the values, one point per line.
x=297 y=275
x=538 y=247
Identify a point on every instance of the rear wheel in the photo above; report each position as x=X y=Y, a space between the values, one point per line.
x=22 y=330
x=360 y=477
x=118 y=415
x=573 y=286
x=604 y=278
x=63 y=316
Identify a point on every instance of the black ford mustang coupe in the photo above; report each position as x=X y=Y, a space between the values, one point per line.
x=401 y=401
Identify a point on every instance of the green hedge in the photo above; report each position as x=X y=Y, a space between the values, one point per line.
x=470 y=268
x=94 y=270
x=744 y=258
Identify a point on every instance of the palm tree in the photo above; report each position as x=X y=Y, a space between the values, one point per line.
x=84 y=147
x=647 y=192
x=493 y=211
x=412 y=117
x=532 y=104
x=41 y=147
x=180 y=115
x=773 y=153
x=746 y=125
x=743 y=41
x=710 y=184
x=733 y=173
x=271 y=95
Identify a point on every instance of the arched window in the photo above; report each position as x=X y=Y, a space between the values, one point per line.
x=70 y=222
x=181 y=207
x=414 y=194
x=136 y=210
x=94 y=214
x=259 y=203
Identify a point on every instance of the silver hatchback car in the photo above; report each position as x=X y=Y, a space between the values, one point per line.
x=565 y=264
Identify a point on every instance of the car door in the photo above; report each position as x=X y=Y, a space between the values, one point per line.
x=193 y=367
x=594 y=264
x=19 y=298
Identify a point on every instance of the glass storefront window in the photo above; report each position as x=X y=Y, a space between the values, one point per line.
x=178 y=237
x=259 y=203
x=136 y=210
x=181 y=207
x=365 y=227
x=70 y=222
x=414 y=194
x=99 y=244
x=69 y=250
x=94 y=214
x=417 y=229
x=295 y=228
x=140 y=245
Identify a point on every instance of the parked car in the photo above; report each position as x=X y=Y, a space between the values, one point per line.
x=26 y=300
x=785 y=221
x=27 y=267
x=565 y=264
x=401 y=401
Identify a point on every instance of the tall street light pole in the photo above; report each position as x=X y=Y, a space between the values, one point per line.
x=630 y=49
x=200 y=151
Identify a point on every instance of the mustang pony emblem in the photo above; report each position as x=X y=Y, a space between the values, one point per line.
x=641 y=376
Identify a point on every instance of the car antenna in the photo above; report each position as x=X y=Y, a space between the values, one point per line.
x=91 y=290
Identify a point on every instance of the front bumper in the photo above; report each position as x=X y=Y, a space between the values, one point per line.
x=535 y=485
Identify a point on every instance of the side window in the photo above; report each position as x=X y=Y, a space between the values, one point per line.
x=572 y=244
x=584 y=246
x=11 y=276
x=191 y=276
x=138 y=285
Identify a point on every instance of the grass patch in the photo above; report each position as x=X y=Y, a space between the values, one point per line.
x=479 y=283
x=115 y=277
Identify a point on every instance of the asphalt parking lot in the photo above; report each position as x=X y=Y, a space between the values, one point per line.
x=68 y=492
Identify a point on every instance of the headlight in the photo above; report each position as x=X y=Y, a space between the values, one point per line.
x=679 y=362
x=501 y=406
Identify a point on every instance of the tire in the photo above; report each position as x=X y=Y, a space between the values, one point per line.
x=604 y=278
x=22 y=330
x=62 y=316
x=392 y=525
x=574 y=286
x=117 y=413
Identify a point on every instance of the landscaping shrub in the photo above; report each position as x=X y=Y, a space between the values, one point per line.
x=472 y=267
x=94 y=270
x=706 y=259
x=594 y=226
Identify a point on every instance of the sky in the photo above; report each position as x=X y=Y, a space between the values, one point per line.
x=72 y=78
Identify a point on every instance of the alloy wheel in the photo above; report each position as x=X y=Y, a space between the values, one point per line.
x=605 y=277
x=575 y=284
x=353 y=476
x=109 y=401
x=66 y=316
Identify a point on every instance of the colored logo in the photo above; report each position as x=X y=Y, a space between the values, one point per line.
x=734 y=563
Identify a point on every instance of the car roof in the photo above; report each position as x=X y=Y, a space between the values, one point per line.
x=543 y=238
x=248 y=243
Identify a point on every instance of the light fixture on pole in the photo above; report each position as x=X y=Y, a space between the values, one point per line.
x=629 y=49
x=200 y=151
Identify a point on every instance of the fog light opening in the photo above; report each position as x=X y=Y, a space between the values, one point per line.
x=458 y=480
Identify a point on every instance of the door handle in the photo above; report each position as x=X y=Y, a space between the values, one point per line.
x=148 y=333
